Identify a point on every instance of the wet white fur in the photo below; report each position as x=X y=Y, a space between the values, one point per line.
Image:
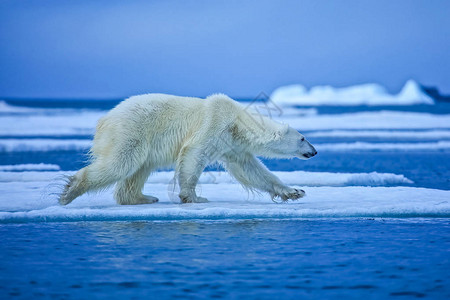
x=152 y=131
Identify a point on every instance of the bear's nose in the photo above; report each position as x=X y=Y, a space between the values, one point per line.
x=311 y=154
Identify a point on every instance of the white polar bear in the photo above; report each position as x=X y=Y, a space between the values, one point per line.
x=152 y=131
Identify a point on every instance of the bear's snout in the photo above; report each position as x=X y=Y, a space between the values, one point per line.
x=310 y=154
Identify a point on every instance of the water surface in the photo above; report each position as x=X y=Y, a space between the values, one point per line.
x=355 y=258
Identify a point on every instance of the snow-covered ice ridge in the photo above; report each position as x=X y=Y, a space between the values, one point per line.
x=32 y=203
x=364 y=94
x=300 y=178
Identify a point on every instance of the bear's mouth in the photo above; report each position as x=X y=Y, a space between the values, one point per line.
x=308 y=155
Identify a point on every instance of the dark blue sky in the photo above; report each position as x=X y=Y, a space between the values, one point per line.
x=114 y=49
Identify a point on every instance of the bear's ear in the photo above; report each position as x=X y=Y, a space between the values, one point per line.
x=278 y=134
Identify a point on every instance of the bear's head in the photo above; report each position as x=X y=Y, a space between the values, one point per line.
x=289 y=143
x=266 y=137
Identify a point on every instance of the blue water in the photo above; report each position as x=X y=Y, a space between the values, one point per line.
x=293 y=259
x=314 y=259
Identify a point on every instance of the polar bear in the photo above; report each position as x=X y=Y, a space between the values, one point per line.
x=152 y=131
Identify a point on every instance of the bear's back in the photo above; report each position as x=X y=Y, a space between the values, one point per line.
x=159 y=101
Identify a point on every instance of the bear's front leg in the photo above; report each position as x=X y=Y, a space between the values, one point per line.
x=190 y=166
x=187 y=192
x=250 y=172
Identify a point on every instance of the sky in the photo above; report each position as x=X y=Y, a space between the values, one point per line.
x=114 y=49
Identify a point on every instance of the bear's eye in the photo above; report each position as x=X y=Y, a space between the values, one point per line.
x=303 y=139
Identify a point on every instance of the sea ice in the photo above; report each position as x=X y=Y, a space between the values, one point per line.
x=440 y=145
x=30 y=167
x=390 y=134
x=230 y=201
x=26 y=197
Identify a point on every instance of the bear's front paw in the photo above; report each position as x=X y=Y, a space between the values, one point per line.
x=291 y=194
x=193 y=199
x=63 y=200
x=147 y=200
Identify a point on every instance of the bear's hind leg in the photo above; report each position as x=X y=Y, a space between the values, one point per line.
x=91 y=178
x=112 y=163
x=129 y=190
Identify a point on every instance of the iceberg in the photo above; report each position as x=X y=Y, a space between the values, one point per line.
x=365 y=94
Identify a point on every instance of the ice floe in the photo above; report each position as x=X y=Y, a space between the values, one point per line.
x=370 y=120
x=232 y=202
x=440 y=145
x=24 y=145
x=30 y=167
x=27 y=197
x=77 y=122
x=389 y=134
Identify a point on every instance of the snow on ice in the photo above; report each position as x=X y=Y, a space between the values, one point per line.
x=30 y=201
